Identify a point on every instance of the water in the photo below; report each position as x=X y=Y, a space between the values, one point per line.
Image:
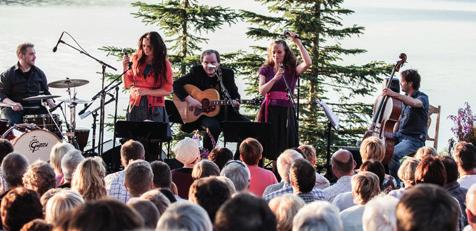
x=438 y=37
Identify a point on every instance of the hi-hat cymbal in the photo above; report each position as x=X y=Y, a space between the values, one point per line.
x=40 y=97
x=75 y=100
x=68 y=83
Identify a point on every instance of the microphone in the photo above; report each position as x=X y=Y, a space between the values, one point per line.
x=59 y=40
x=211 y=66
x=287 y=34
x=129 y=64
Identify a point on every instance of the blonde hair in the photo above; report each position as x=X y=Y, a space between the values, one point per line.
x=365 y=185
x=406 y=172
x=425 y=151
x=372 y=148
x=61 y=203
x=39 y=177
x=57 y=153
x=285 y=207
x=205 y=168
x=309 y=153
x=88 y=179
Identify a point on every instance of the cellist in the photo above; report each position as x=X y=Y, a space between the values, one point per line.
x=412 y=128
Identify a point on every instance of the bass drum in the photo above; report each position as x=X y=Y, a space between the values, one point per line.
x=35 y=144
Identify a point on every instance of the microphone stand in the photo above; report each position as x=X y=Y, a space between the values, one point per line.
x=224 y=91
x=293 y=104
x=103 y=94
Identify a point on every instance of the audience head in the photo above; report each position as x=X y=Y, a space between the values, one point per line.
x=251 y=151
x=220 y=156
x=138 y=177
x=187 y=152
x=37 y=225
x=471 y=206
x=427 y=207
x=376 y=167
x=379 y=214
x=228 y=182
x=284 y=161
x=372 y=148
x=69 y=163
x=431 y=170
x=48 y=195
x=302 y=176
x=88 y=179
x=56 y=154
x=210 y=193
x=451 y=169
x=245 y=212
x=185 y=216
x=205 y=168
x=5 y=148
x=342 y=163
x=309 y=153
x=14 y=165
x=158 y=198
x=60 y=203
x=237 y=172
x=285 y=207
x=39 y=177
x=131 y=150
x=104 y=215
x=406 y=172
x=465 y=156
x=365 y=186
x=162 y=174
x=147 y=210
x=169 y=194
x=318 y=215
x=18 y=207
x=424 y=152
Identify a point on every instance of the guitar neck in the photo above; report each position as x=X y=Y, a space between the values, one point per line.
x=228 y=102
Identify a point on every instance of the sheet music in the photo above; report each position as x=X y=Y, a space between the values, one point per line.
x=329 y=113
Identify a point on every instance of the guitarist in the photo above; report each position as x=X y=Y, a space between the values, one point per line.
x=205 y=76
x=412 y=127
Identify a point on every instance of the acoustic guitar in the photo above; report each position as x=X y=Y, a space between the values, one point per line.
x=210 y=99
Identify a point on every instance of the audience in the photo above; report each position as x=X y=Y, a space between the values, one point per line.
x=210 y=193
x=431 y=170
x=318 y=215
x=471 y=208
x=69 y=163
x=185 y=216
x=147 y=210
x=285 y=207
x=14 y=165
x=39 y=177
x=56 y=154
x=5 y=148
x=158 y=198
x=18 y=207
x=251 y=152
x=205 y=168
x=427 y=207
x=115 y=187
x=238 y=173
x=60 y=203
x=372 y=148
x=406 y=173
x=379 y=214
x=37 y=225
x=309 y=153
x=283 y=163
x=88 y=179
x=452 y=186
x=188 y=153
x=343 y=165
x=245 y=212
x=138 y=178
x=424 y=152
x=302 y=178
x=465 y=156
x=220 y=156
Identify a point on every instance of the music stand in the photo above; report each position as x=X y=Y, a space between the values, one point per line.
x=332 y=123
x=237 y=131
x=150 y=131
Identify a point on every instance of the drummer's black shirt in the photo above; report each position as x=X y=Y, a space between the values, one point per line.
x=16 y=84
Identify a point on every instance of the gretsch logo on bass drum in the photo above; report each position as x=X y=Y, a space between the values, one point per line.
x=35 y=145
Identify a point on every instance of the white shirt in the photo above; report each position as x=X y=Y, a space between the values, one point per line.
x=341 y=186
x=352 y=218
x=115 y=186
x=344 y=201
x=466 y=181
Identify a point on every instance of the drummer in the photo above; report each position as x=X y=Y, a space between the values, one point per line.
x=21 y=81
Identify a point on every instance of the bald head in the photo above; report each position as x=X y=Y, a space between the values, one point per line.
x=471 y=206
x=342 y=162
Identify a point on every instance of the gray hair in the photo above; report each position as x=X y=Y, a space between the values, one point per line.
x=285 y=207
x=379 y=214
x=318 y=215
x=185 y=216
x=147 y=210
x=60 y=203
x=69 y=162
x=237 y=172
x=284 y=162
x=14 y=165
x=57 y=153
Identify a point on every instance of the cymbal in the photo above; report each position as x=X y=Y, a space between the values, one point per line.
x=68 y=83
x=40 y=97
x=76 y=101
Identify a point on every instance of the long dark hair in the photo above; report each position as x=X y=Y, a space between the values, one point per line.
x=159 y=52
x=289 y=60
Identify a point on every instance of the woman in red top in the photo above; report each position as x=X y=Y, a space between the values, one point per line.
x=148 y=79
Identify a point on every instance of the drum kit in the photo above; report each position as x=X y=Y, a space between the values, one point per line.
x=39 y=133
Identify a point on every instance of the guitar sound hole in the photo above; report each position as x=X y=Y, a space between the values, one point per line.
x=206 y=107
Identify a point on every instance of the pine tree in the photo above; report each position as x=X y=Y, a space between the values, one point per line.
x=319 y=25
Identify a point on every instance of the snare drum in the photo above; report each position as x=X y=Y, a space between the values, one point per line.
x=34 y=144
x=45 y=121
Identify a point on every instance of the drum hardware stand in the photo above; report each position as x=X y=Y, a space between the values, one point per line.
x=44 y=103
x=103 y=93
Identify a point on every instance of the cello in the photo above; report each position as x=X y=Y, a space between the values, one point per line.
x=387 y=115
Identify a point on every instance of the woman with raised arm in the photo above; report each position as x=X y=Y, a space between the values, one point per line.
x=281 y=71
x=148 y=78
